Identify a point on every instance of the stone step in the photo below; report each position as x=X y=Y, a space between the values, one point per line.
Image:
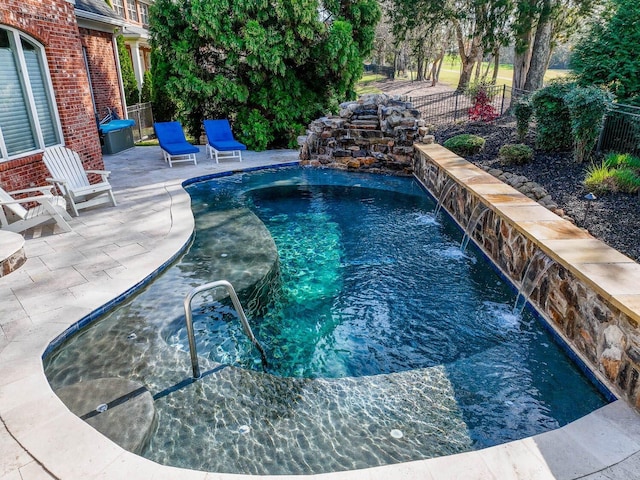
x=122 y=410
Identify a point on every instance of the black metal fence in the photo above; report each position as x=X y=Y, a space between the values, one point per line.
x=389 y=72
x=621 y=130
x=451 y=107
x=143 y=115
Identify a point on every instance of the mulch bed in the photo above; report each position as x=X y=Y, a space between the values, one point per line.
x=613 y=218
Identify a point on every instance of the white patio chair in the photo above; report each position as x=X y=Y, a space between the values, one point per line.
x=16 y=218
x=71 y=178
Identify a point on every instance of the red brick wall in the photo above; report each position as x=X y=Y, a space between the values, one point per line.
x=53 y=24
x=103 y=70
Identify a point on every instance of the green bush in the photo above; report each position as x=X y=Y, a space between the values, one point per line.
x=146 y=93
x=523 y=112
x=626 y=180
x=465 y=144
x=599 y=178
x=278 y=63
x=618 y=172
x=552 y=116
x=606 y=53
x=587 y=107
x=614 y=160
x=515 y=154
x=131 y=92
x=164 y=108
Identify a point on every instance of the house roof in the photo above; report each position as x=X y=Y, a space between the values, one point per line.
x=97 y=10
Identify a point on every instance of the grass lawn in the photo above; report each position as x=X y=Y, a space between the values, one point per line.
x=450 y=73
x=366 y=83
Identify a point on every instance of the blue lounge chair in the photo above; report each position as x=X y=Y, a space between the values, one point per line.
x=220 y=141
x=173 y=143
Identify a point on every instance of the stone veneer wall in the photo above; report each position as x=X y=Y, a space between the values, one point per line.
x=604 y=336
x=376 y=133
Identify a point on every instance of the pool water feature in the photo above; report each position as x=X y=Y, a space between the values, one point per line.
x=386 y=342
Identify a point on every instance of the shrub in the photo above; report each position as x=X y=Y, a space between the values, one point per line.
x=614 y=160
x=552 y=116
x=615 y=29
x=626 y=180
x=465 y=144
x=164 y=109
x=482 y=109
x=523 y=112
x=146 y=93
x=599 y=179
x=131 y=92
x=587 y=107
x=515 y=154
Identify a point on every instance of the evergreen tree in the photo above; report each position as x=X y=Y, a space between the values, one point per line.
x=609 y=54
x=269 y=66
x=131 y=92
x=164 y=109
x=146 y=93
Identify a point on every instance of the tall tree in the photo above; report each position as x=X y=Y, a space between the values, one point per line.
x=269 y=66
x=608 y=54
x=131 y=92
x=537 y=26
x=478 y=25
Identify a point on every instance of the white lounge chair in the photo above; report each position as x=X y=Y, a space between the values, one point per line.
x=71 y=178
x=16 y=218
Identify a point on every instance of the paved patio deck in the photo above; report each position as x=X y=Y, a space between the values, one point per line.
x=69 y=275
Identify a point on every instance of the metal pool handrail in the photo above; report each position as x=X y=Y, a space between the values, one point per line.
x=238 y=307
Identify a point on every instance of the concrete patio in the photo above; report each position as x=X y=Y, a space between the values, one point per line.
x=69 y=276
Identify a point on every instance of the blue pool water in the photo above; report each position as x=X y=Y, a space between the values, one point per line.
x=373 y=320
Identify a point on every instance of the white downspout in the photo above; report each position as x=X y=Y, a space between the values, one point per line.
x=120 y=82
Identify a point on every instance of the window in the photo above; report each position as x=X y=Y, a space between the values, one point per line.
x=28 y=116
x=133 y=12
x=144 y=13
x=118 y=6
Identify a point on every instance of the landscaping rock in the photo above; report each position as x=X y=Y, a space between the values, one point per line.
x=378 y=128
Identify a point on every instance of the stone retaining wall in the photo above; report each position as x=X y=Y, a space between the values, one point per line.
x=602 y=329
x=377 y=133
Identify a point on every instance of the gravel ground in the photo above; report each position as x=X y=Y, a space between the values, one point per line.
x=613 y=218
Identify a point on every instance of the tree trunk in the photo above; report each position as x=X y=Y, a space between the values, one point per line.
x=486 y=70
x=420 y=67
x=540 y=55
x=479 y=65
x=522 y=60
x=468 y=60
x=496 y=66
x=435 y=69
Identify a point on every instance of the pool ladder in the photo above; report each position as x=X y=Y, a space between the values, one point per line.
x=236 y=304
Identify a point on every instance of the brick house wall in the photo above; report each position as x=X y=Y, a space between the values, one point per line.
x=53 y=24
x=103 y=70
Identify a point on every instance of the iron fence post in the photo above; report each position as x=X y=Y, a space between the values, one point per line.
x=455 y=108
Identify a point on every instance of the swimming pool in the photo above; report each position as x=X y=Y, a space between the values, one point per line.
x=382 y=383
